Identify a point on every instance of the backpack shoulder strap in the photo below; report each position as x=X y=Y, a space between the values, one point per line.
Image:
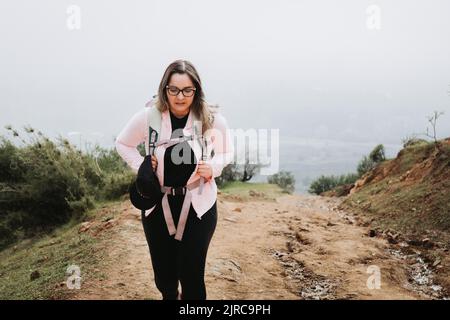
x=153 y=116
x=196 y=127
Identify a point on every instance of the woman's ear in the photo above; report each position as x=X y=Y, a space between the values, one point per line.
x=211 y=119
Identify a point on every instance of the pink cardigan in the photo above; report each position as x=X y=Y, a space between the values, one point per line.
x=136 y=131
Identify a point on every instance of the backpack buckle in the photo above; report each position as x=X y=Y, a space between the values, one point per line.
x=178 y=191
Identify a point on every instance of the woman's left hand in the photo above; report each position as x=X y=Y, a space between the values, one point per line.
x=204 y=170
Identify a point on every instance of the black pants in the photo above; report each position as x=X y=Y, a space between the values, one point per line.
x=184 y=260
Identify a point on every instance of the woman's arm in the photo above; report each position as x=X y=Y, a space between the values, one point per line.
x=129 y=138
x=222 y=144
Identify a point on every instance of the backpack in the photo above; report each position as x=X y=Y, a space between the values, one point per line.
x=153 y=116
x=148 y=194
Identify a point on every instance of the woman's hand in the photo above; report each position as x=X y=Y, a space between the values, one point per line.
x=154 y=162
x=204 y=170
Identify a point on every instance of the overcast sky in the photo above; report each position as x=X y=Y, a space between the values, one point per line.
x=313 y=69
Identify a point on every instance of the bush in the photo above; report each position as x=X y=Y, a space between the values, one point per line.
x=368 y=163
x=365 y=165
x=377 y=154
x=229 y=173
x=326 y=183
x=117 y=184
x=44 y=183
x=284 y=179
x=412 y=141
x=237 y=172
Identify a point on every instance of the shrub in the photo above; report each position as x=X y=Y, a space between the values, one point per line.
x=377 y=154
x=284 y=179
x=367 y=163
x=44 y=183
x=412 y=141
x=229 y=173
x=117 y=184
x=325 y=183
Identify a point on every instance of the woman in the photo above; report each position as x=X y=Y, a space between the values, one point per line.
x=181 y=258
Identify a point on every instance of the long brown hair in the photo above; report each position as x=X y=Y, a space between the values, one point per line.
x=201 y=109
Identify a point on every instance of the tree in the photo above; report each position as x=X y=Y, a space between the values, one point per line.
x=432 y=120
x=249 y=170
x=229 y=173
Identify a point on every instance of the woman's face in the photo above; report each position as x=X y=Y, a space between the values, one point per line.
x=180 y=104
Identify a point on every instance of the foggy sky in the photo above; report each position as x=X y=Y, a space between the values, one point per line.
x=313 y=69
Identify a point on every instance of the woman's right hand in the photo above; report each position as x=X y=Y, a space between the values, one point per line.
x=154 y=162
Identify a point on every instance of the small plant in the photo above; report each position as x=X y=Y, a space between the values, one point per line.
x=326 y=183
x=412 y=140
x=433 y=120
x=284 y=179
x=377 y=155
x=367 y=163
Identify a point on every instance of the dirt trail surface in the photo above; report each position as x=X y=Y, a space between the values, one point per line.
x=297 y=247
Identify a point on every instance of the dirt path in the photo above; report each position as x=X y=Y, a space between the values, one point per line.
x=297 y=247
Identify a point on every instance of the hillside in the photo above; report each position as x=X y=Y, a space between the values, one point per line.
x=407 y=200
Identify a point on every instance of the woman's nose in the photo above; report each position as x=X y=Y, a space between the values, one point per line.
x=180 y=96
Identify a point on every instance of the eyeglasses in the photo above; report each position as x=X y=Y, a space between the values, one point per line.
x=187 y=92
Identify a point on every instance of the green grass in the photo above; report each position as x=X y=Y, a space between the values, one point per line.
x=412 y=154
x=242 y=189
x=50 y=255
